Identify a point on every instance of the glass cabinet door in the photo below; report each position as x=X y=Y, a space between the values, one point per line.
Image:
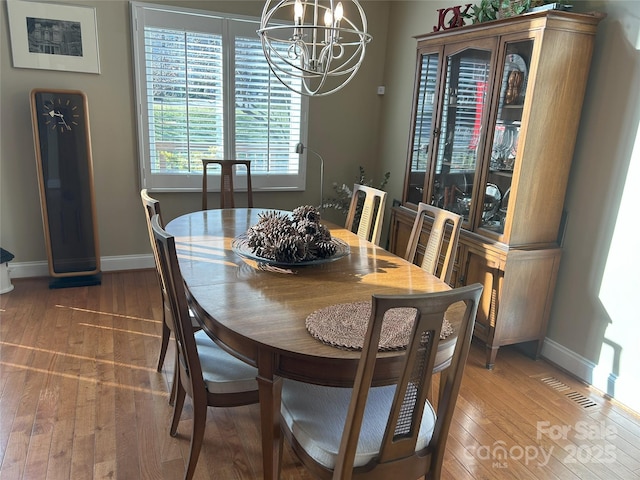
x=464 y=106
x=504 y=148
x=425 y=109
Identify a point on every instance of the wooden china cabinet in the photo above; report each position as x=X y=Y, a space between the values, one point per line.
x=494 y=120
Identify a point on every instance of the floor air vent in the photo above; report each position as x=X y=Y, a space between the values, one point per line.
x=581 y=400
x=555 y=384
x=576 y=397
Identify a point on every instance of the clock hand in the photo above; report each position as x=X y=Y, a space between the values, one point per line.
x=65 y=123
x=53 y=113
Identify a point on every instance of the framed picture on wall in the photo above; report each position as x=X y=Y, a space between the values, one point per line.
x=53 y=36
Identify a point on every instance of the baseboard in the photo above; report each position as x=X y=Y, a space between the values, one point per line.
x=568 y=360
x=107 y=264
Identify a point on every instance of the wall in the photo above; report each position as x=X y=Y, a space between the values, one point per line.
x=595 y=323
x=340 y=129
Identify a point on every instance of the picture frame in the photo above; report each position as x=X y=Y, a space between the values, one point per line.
x=53 y=36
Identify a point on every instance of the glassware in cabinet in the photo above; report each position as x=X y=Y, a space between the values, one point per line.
x=506 y=134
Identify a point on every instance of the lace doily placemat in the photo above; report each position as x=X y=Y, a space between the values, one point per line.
x=344 y=326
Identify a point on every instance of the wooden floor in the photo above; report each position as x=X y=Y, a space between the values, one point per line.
x=80 y=398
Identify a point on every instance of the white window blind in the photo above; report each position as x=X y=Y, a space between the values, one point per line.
x=260 y=99
x=425 y=112
x=204 y=90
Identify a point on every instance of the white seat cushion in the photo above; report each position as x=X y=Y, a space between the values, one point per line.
x=222 y=372
x=316 y=416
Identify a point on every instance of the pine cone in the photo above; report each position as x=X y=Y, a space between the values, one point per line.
x=307 y=212
x=286 y=250
x=326 y=249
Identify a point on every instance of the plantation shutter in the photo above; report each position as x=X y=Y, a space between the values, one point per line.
x=184 y=94
x=267 y=114
x=205 y=90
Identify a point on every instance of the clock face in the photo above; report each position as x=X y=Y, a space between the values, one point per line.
x=61 y=131
x=61 y=113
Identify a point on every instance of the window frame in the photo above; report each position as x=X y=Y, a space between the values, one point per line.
x=231 y=26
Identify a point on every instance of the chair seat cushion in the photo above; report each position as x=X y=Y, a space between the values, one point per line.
x=222 y=372
x=316 y=416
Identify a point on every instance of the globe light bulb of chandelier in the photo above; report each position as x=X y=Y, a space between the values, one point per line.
x=298 y=12
x=339 y=12
x=328 y=18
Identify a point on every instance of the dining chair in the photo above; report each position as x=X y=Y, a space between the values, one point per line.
x=366 y=208
x=211 y=376
x=227 y=192
x=151 y=208
x=445 y=224
x=387 y=432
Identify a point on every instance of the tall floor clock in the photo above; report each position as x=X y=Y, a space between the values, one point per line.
x=62 y=141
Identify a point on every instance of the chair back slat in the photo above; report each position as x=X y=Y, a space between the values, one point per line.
x=367 y=206
x=444 y=222
x=411 y=395
x=151 y=208
x=227 y=192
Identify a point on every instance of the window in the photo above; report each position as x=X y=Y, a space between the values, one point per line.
x=205 y=90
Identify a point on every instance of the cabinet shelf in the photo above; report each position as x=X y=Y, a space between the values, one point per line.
x=502 y=173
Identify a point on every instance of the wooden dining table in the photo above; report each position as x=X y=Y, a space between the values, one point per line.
x=258 y=314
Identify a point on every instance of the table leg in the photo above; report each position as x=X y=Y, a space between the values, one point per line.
x=269 y=390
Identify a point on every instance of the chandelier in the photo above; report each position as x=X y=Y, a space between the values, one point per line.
x=323 y=49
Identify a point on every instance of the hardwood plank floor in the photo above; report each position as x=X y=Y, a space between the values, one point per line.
x=80 y=398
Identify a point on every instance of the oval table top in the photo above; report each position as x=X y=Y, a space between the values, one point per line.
x=255 y=311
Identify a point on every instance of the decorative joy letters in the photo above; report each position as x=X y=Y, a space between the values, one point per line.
x=451 y=17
